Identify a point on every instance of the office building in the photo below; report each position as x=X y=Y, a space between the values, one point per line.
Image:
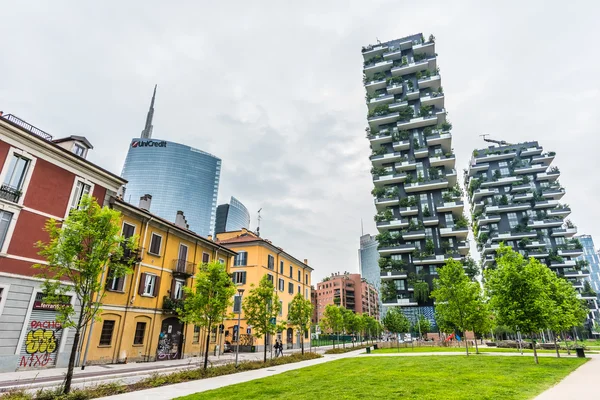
x=368 y=263
x=232 y=217
x=178 y=177
x=418 y=201
x=590 y=254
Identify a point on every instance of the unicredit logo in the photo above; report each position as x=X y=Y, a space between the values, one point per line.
x=149 y=143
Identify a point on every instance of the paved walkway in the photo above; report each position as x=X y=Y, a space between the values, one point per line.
x=579 y=384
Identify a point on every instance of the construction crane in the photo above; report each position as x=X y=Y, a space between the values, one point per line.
x=500 y=142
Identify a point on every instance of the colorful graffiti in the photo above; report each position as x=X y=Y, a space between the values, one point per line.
x=41 y=344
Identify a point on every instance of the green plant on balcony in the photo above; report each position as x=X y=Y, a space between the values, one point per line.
x=421 y=290
x=456 y=190
x=400 y=136
x=418 y=75
x=474 y=185
x=380 y=110
x=379 y=152
x=172 y=305
x=425 y=110
x=395 y=80
x=384 y=262
x=428 y=131
x=378 y=192
x=397 y=265
x=393 y=194
x=497 y=175
x=475 y=153
x=386 y=215
x=427 y=74
x=447 y=197
x=385 y=239
x=587 y=289
x=420 y=177
x=426 y=212
x=521 y=228
x=503 y=200
x=409 y=179
x=419 y=57
x=404 y=61
x=569 y=224
x=523 y=243
x=379 y=76
x=553 y=257
x=404 y=98
x=554 y=170
x=445 y=126
x=581 y=264
x=434 y=173
x=379 y=171
x=429 y=246
x=461 y=222
x=576 y=244
x=483 y=238
x=410 y=84
x=440 y=89
x=431 y=39
x=406 y=113
x=388 y=291
x=373 y=60
x=416 y=145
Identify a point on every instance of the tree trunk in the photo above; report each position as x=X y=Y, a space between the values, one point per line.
x=556 y=345
x=302 y=342
x=466 y=344
x=535 y=356
x=566 y=343
x=208 y=342
x=476 y=347
x=265 y=348
x=69 y=376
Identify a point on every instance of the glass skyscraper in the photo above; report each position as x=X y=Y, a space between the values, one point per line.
x=368 y=260
x=232 y=217
x=592 y=257
x=179 y=178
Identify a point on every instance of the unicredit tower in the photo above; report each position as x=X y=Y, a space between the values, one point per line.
x=178 y=177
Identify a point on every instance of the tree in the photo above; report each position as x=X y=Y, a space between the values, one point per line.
x=480 y=319
x=422 y=325
x=519 y=292
x=456 y=297
x=260 y=307
x=348 y=321
x=360 y=324
x=471 y=268
x=332 y=319
x=81 y=250
x=369 y=325
x=207 y=303
x=299 y=316
x=396 y=322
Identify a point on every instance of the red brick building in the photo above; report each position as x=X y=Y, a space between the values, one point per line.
x=40 y=178
x=347 y=290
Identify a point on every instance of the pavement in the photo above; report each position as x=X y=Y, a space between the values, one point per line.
x=579 y=384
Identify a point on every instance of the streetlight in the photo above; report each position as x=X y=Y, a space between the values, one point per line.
x=237 y=348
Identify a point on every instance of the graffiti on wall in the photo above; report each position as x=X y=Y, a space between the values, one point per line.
x=40 y=344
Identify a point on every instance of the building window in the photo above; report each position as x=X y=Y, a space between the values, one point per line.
x=237 y=303
x=80 y=190
x=78 y=150
x=400 y=285
x=113 y=283
x=241 y=259
x=512 y=220
x=17 y=170
x=291 y=272
x=271 y=262
x=281 y=266
x=299 y=276
x=306 y=295
x=107 y=331
x=270 y=278
x=221 y=261
x=559 y=240
x=178 y=289
x=140 y=330
x=213 y=334
x=196 y=337
x=306 y=279
x=281 y=285
x=290 y=288
x=5 y=218
x=299 y=290
x=239 y=277
x=205 y=258
x=449 y=220
x=280 y=308
x=149 y=285
x=155 y=243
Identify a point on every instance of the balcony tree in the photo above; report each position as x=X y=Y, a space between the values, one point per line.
x=207 y=303
x=332 y=319
x=299 y=316
x=81 y=250
x=261 y=306
x=396 y=322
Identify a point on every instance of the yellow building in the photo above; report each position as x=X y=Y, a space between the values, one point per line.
x=138 y=322
x=257 y=257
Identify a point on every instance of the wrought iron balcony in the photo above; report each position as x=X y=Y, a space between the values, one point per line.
x=183 y=267
x=10 y=193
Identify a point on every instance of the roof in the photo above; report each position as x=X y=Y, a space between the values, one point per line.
x=250 y=237
x=76 y=138
x=124 y=204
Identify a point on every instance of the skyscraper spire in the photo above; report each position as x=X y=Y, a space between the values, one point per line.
x=147 y=132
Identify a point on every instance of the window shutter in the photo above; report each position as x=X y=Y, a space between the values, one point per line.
x=142 y=284
x=173 y=288
x=156 y=286
x=244 y=277
x=120 y=283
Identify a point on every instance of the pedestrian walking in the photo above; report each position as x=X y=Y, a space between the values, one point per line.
x=277 y=347
x=281 y=349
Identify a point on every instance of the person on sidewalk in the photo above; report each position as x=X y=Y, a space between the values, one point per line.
x=277 y=347
x=281 y=349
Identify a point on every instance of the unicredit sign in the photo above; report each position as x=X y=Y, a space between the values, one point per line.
x=148 y=143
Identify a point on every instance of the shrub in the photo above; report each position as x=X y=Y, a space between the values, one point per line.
x=346 y=350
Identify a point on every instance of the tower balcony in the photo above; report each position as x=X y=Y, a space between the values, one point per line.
x=387 y=179
x=443 y=139
x=375 y=51
x=507 y=208
x=487 y=158
x=379 y=160
x=456 y=207
x=434 y=82
x=488 y=219
x=523 y=197
x=460 y=233
x=414 y=235
x=554 y=194
x=463 y=247
x=550 y=176
x=408 y=211
x=401 y=145
x=381 y=139
x=539 y=254
x=531 y=151
x=437 y=117
x=501 y=181
x=564 y=232
x=475 y=168
x=570 y=252
x=412 y=94
x=372 y=86
x=559 y=212
x=563 y=264
x=401 y=302
x=500 y=237
x=423 y=152
x=399 y=248
x=382 y=203
x=573 y=273
x=426 y=186
x=546 y=223
x=398 y=104
x=481 y=193
x=545 y=159
x=412 y=67
x=431 y=221
x=491 y=248
x=545 y=204
x=436 y=259
x=380 y=66
x=451 y=175
x=520 y=188
x=435 y=100
x=379 y=100
x=377 y=121
x=395 y=88
x=406 y=165
x=443 y=161
x=393 y=224
x=393 y=275
x=530 y=169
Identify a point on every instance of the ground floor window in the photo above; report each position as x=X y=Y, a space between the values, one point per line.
x=107 y=331
x=140 y=330
x=196 y=338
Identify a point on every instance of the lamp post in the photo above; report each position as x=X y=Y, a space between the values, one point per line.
x=237 y=348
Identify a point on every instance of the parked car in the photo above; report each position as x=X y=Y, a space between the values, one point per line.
x=227 y=347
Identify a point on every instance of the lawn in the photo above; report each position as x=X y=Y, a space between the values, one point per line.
x=449 y=377
x=462 y=349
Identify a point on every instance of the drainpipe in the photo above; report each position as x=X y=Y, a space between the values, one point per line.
x=137 y=273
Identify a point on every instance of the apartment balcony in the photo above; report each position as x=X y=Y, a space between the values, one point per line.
x=399 y=248
x=530 y=169
x=573 y=273
x=463 y=247
x=546 y=223
x=393 y=275
x=443 y=139
x=478 y=206
x=183 y=268
x=382 y=203
x=375 y=122
x=422 y=152
x=559 y=212
x=456 y=207
x=545 y=159
x=538 y=254
x=374 y=85
x=481 y=193
x=500 y=237
x=412 y=94
x=375 y=51
x=488 y=261
x=451 y=176
x=490 y=248
x=413 y=235
x=563 y=264
x=433 y=99
x=523 y=197
x=393 y=224
x=532 y=151
x=379 y=160
x=475 y=168
x=488 y=219
x=10 y=193
x=550 y=176
x=554 y=194
x=401 y=145
x=395 y=88
x=387 y=179
x=520 y=188
x=436 y=259
x=487 y=158
x=379 y=100
x=378 y=140
x=545 y=204
x=427 y=48
x=507 y=208
x=434 y=82
x=534 y=244
x=426 y=186
x=380 y=66
x=443 y=161
x=406 y=165
x=570 y=253
x=408 y=211
x=171 y=305
x=577 y=283
x=454 y=231
x=437 y=117
x=501 y=182
x=404 y=302
x=431 y=221
x=564 y=232
x=411 y=68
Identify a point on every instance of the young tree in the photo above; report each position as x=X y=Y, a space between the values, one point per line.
x=332 y=319
x=261 y=306
x=422 y=325
x=207 y=303
x=81 y=250
x=519 y=293
x=348 y=322
x=369 y=325
x=299 y=315
x=360 y=323
x=456 y=296
x=480 y=319
x=396 y=322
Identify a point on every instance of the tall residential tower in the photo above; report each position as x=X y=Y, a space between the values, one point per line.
x=419 y=208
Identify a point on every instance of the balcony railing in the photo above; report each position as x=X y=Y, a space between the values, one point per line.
x=27 y=126
x=10 y=193
x=171 y=305
x=183 y=267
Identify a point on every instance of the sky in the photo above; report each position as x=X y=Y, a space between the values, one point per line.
x=275 y=90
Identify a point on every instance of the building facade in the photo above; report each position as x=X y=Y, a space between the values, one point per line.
x=515 y=199
x=257 y=257
x=138 y=319
x=232 y=217
x=590 y=254
x=41 y=178
x=418 y=201
x=368 y=263
x=179 y=178
x=347 y=290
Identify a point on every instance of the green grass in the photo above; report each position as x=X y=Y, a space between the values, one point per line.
x=423 y=378
x=462 y=349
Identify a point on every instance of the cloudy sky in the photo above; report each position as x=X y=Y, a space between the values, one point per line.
x=275 y=90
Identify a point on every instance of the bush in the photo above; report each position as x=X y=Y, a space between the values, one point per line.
x=346 y=350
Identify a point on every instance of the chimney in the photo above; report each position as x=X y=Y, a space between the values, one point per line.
x=180 y=220
x=145 y=201
x=306 y=261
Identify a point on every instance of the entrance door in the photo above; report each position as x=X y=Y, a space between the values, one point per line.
x=290 y=338
x=170 y=340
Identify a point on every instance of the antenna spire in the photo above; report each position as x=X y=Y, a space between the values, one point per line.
x=258 y=219
x=147 y=132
